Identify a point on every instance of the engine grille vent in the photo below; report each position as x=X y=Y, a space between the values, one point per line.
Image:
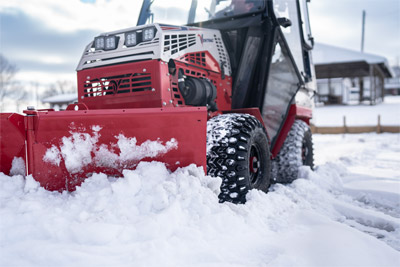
x=120 y=84
x=223 y=57
x=195 y=58
x=178 y=42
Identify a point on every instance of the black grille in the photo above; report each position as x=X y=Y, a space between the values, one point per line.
x=119 y=84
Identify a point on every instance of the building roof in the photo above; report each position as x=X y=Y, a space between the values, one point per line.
x=332 y=61
x=63 y=98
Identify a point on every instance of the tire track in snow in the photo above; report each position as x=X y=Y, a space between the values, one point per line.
x=368 y=196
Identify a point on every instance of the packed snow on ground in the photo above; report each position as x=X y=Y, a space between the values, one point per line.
x=345 y=213
x=359 y=115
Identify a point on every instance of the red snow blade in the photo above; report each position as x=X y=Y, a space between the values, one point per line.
x=12 y=140
x=65 y=147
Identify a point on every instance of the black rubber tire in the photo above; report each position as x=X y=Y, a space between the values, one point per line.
x=234 y=141
x=296 y=151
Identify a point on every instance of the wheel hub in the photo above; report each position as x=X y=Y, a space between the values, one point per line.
x=255 y=164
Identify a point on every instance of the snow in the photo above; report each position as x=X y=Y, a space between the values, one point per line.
x=81 y=149
x=328 y=54
x=217 y=130
x=345 y=213
x=359 y=115
x=17 y=166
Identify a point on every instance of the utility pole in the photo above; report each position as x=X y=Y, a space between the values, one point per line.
x=363 y=31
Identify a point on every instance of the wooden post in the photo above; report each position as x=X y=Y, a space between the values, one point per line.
x=361 y=92
x=344 y=124
x=378 y=127
x=371 y=85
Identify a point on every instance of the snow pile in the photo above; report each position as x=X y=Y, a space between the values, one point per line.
x=152 y=217
x=77 y=150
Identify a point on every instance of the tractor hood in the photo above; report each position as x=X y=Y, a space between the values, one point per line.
x=153 y=41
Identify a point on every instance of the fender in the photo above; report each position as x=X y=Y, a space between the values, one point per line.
x=252 y=111
x=295 y=112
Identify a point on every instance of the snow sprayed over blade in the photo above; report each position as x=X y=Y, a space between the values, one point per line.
x=131 y=151
x=53 y=156
x=82 y=149
x=76 y=150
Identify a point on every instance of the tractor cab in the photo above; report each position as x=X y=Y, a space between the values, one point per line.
x=269 y=47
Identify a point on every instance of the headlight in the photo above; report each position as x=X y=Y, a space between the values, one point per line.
x=130 y=39
x=99 y=43
x=148 y=34
x=111 y=43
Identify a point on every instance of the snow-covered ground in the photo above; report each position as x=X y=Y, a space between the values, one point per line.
x=360 y=115
x=345 y=213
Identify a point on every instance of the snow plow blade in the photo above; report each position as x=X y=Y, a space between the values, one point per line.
x=65 y=147
x=12 y=140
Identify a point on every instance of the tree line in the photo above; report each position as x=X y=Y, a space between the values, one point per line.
x=14 y=91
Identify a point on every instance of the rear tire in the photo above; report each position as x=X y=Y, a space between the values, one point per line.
x=238 y=153
x=296 y=151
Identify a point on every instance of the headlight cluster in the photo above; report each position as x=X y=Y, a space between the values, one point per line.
x=131 y=39
x=106 y=42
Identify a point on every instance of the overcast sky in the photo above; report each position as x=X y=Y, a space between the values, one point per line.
x=46 y=38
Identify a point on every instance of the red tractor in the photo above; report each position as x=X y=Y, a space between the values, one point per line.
x=230 y=91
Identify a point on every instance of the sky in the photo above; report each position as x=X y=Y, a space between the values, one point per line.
x=46 y=38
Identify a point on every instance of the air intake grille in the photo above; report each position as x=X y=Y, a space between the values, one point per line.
x=195 y=58
x=221 y=52
x=178 y=42
x=120 y=84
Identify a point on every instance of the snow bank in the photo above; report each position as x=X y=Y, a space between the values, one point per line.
x=152 y=217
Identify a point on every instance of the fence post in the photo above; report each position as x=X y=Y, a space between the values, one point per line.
x=344 y=124
x=378 y=127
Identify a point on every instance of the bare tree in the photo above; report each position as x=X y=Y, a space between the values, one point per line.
x=20 y=94
x=9 y=87
x=7 y=75
x=58 y=88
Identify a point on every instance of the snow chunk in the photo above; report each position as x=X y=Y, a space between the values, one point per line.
x=17 y=167
x=131 y=151
x=77 y=150
x=53 y=156
x=31 y=184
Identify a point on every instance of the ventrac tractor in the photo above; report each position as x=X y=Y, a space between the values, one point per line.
x=224 y=84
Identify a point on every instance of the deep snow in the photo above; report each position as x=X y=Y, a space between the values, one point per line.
x=345 y=213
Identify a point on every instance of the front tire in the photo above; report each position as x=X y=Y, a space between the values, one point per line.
x=238 y=153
